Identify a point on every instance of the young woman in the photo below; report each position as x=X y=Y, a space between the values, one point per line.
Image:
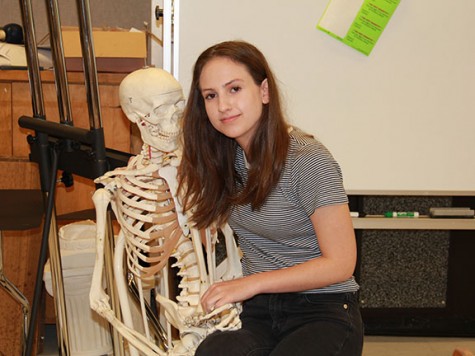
x=282 y=193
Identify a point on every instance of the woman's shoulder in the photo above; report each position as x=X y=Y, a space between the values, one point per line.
x=303 y=143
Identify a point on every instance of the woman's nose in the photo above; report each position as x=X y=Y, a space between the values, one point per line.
x=223 y=104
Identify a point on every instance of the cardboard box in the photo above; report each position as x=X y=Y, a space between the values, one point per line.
x=117 y=51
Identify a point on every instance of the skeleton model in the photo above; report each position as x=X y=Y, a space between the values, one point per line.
x=153 y=227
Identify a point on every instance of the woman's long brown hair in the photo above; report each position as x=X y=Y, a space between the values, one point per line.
x=208 y=182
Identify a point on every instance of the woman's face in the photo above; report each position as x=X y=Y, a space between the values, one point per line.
x=233 y=101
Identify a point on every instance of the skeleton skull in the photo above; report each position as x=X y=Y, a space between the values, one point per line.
x=153 y=99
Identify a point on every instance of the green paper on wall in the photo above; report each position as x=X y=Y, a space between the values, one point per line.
x=357 y=23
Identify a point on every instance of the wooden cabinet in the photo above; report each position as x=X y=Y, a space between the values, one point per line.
x=116 y=126
x=21 y=248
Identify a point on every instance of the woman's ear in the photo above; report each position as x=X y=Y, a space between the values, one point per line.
x=265 y=92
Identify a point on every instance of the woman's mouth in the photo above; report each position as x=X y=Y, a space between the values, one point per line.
x=229 y=118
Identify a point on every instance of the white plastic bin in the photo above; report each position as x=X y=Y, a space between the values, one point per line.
x=89 y=334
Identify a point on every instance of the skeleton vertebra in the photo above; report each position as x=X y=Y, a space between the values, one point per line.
x=144 y=199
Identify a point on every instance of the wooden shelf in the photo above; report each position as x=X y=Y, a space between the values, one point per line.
x=421 y=223
x=47 y=76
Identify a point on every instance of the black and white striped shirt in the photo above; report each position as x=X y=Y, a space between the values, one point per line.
x=280 y=234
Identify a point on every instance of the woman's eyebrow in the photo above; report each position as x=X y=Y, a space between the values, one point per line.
x=232 y=81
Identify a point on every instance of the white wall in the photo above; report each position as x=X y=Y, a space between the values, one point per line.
x=401 y=119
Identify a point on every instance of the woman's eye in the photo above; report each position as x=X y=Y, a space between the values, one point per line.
x=235 y=89
x=210 y=96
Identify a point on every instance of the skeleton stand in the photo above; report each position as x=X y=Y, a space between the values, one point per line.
x=62 y=146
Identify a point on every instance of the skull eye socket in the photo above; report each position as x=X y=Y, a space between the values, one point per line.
x=169 y=108
x=162 y=109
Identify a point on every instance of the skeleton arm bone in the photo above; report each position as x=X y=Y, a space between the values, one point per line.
x=210 y=254
x=98 y=299
x=169 y=173
x=122 y=286
x=230 y=268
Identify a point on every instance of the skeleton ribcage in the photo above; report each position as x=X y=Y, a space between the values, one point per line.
x=147 y=215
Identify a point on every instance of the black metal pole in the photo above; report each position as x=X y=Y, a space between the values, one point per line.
x=43 y=254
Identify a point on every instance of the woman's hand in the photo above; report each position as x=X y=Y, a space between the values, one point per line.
x=233 y=291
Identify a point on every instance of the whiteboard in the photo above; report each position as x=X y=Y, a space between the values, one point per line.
x=402 y=118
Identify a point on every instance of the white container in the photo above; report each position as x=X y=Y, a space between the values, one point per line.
x=89 y=334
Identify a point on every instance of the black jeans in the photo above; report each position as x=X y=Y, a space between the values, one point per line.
x=292 y=324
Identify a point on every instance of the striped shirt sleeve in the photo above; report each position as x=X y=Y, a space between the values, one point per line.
x=316 y=176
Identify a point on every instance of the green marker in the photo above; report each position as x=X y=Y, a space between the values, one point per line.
x=401 y=214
